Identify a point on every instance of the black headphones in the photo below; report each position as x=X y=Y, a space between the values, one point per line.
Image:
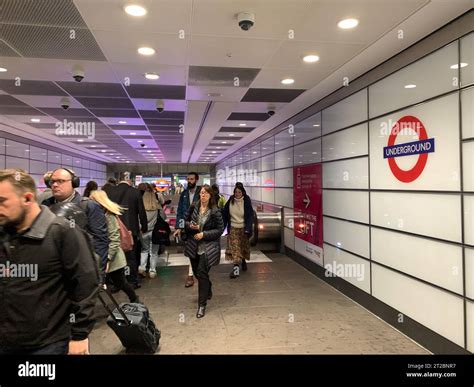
x=76 y=182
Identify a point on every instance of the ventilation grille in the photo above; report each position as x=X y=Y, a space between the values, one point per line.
x=5 y=50
x=47 y=29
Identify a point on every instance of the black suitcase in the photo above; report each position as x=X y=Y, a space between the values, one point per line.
x=132 y=324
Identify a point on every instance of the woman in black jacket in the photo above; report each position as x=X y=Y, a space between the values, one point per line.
x=238 y=218
x=203 y=243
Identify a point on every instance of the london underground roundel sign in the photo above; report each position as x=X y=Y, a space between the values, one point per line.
x=422 y=147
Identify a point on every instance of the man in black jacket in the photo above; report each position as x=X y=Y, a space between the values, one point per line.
x=134 y=219
x=63 y=181
x=48 y=275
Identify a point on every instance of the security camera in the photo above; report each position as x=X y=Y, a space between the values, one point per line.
x=246 y=20
x=271 y=110
x=142 y=145
x=78 y=73
x=65 y=103
x=160 y=106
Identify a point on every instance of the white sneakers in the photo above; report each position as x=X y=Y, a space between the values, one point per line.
x=152 y=274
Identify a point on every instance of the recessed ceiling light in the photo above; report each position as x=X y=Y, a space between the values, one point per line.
x=231 y=134
x=254 y=153
x=152 y=76
x=213 y=151
x=133 y=133
x=224 y=142
x=35 y=120
x=411 y=86
x=3 y=70
x=139 y=141
x=456 y=66
x=146 y=51
x=242 y=124
x=149 y=151
x=287 y=81
x=92 y=146
x=80 y=140
x=348 y=23
x=122 y=122
x=128 y=161
x=103 y=151
x=135 y=10
x=316 y=125
x=311 y=58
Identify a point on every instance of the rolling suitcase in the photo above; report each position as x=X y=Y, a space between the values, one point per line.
x=132 y=324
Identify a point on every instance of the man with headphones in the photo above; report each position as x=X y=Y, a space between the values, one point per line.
x=63 y=183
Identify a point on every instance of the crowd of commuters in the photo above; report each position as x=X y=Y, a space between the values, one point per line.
x=76 y=243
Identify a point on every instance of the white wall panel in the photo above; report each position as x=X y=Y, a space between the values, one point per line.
x=38 y=154
x=437 y=309
x=310 y=251
x=346 y=235
x=284 y=139
x=288 y=217
x=352 y=173
x=441 y=172
x=468 y=165
x=346 y=143
x=268 y=195
x=467 y=104
x=16 y=162
x=468 y=219
x=350 y=110
x=308 y=129
x=356 y=270
x=257 y=194
x=351 y=205
x=435 y=215
x=268 y=163
x=469 y=260
x=38 y=167
x=54 y=157
x=2 y=146
x=284 y=197
x=308 y=153
x=2 y=161
x=289 y=238
x=284 y=158
x=470 y=325
x=435 y=262
x=432 y=76
x=17 y=149
x=284 y=177
x=467 y=56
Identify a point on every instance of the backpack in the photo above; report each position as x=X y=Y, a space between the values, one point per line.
x=161 y=232
x=126 y=237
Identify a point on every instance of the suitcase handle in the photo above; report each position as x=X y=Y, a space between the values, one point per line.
x=117 y=306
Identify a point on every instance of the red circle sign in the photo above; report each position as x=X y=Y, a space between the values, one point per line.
x=412 y=174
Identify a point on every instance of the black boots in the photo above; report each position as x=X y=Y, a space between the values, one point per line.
x=244 y=265
x=235 y=271
x=201 y=311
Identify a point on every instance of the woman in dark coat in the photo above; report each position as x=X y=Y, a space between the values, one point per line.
x=203 y=243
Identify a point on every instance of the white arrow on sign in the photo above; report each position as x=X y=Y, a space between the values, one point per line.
x=306 y=200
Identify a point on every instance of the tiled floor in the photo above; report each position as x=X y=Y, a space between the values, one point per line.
x=275 y=307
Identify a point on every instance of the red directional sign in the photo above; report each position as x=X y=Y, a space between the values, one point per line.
x=307 y=203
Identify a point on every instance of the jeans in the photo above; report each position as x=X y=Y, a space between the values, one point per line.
x=58 y=348
x=148 y=248
x=201 y=272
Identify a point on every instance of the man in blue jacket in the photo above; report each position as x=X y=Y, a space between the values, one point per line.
x=63 y=183
x=189 y=196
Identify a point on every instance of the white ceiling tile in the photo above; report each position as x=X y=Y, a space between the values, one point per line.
x=201 y=93
x=47 y=101
x=121 y=47
x=150 y=104
x=231 y=52
x=115 y=121
x=168 y=16
x=135 y=72
x=127 y=133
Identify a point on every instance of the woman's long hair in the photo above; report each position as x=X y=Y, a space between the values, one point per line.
x=212 y=199
x=240 y=188
x=102 y=198
x=150 y=201
x=90 y=186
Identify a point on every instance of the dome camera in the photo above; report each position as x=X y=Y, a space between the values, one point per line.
x=160 y=106
x=246 y=20
x=271 y=110
x=142 y=145
x=78 y=73
x=65 y=103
